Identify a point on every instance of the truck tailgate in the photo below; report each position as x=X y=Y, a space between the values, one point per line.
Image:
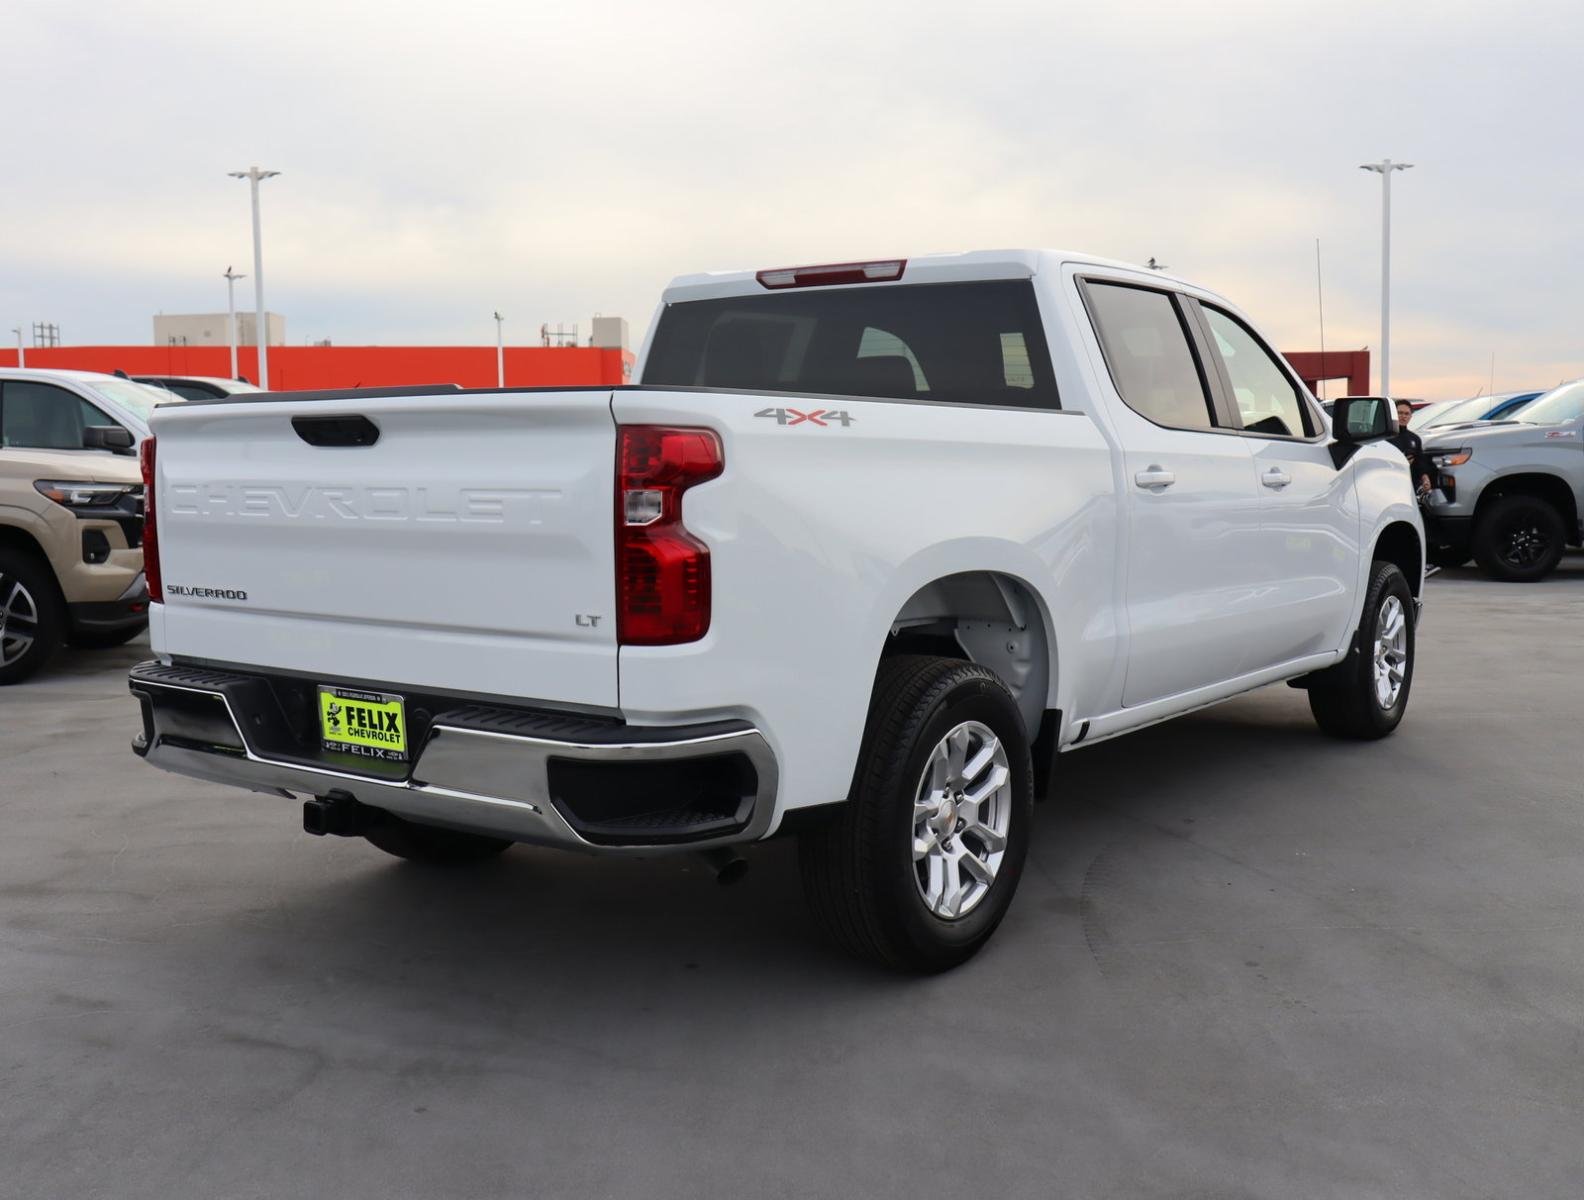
x=469 y=548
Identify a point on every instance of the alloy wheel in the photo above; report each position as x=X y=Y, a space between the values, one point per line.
x=19 y=620
x=1391 y=652
x=962 y=809
x=1524 y=545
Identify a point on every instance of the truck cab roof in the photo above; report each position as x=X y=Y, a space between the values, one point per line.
x=962 y=267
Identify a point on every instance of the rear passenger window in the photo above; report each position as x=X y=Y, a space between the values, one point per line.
x=1146 y=347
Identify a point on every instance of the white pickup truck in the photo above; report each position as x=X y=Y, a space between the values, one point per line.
x=867 y=546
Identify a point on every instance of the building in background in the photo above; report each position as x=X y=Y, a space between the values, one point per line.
x=601 y=359
x=209 y=329
x=610 y=333
x=1350 y=368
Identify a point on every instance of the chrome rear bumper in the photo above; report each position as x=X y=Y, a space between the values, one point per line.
x=478 y=769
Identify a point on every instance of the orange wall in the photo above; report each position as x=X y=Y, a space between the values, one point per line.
x=1314 y=365
x=300 y=368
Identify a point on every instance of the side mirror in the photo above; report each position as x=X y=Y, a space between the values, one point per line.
x=108 y=437
x=1356 y=420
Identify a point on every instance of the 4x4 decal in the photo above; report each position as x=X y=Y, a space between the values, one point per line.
x=822 y=417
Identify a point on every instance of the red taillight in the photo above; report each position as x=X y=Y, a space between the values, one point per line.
x=662 y=570
x=833 y=273
x=151 y=567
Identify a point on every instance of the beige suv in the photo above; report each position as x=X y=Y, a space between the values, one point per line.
x=71 y=557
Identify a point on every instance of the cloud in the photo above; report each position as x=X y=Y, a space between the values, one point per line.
x=551 y=161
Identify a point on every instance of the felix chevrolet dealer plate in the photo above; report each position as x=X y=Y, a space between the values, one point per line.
x=373 y=724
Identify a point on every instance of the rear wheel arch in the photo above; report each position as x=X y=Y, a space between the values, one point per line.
x=987 y=617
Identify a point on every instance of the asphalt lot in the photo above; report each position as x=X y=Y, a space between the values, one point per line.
x=1246 y=962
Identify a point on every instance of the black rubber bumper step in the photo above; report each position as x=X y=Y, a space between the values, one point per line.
x=591 y=731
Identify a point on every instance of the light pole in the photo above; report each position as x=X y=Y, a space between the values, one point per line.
x=231 y=277
x=1384 y=169
x=20 y=361
x=500 y=352
x=260 y=333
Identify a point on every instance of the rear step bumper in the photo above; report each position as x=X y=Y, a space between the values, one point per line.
x=555 y=780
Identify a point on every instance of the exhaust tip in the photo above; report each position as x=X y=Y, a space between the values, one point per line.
x=728 y=865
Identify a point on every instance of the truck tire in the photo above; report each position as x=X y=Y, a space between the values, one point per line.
x=32 y=614
x=1519 y=539
x=430 y=843
x=1365 y=695
x=918 y=867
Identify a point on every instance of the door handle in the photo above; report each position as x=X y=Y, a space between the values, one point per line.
x=1155 y=478
x=1275 y=478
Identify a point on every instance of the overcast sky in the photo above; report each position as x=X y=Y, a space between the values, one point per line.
x=556 y=160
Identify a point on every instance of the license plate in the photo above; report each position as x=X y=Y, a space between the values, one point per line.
x=371 y=724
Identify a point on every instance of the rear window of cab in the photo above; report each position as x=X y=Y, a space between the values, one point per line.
x=962 y=343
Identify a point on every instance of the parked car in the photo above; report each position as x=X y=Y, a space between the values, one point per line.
x=71 y=523
x=60 y=405
x=197 y=387
x=866 y=547
x=1511 y=405
x=1514 y=488
x=1475 y=409
x=1428 y=412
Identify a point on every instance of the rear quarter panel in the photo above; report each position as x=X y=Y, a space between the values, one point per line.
x=820 y=535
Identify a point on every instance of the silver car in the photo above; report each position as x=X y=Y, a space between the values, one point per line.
x=1514 y=489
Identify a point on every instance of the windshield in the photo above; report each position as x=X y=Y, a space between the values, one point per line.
x=1508 y=410
x=1462 y=410
x=1562 y=404
x=138 y=397
x=1430 y=412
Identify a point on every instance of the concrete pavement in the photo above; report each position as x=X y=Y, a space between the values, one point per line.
x=1246 y=961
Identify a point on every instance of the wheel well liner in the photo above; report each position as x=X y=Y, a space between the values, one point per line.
x=1399 y=544
x=989 y=618
x=21 y=539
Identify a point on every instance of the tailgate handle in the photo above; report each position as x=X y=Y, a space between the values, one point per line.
x=336 y=431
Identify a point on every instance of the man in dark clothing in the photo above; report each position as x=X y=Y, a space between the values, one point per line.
x=1412 y=448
